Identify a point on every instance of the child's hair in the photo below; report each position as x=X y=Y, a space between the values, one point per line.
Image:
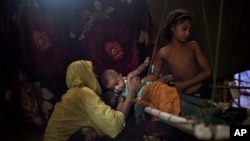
x=174 y=17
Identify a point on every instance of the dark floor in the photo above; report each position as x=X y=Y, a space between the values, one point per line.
x=10 y=131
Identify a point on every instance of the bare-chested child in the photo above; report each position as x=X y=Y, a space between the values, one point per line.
x=187 y=64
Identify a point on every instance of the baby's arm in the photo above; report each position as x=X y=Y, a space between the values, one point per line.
x=140 y=68
x=157 y=66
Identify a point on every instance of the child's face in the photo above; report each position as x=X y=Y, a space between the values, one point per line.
x=116 y=84
x=181 y=31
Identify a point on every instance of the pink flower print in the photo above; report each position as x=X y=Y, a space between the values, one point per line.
x=114 y=50
x=110 y=46
x=41 y=40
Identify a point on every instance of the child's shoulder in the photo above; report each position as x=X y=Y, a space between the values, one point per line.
x=192 y=44
x=164 y=49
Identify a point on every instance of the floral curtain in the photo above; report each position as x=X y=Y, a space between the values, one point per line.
x=47 y=35
x=114 y=34
x=43 y=44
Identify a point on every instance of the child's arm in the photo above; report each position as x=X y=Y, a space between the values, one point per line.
x=140 y=68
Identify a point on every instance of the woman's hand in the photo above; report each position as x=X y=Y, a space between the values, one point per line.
x=134 y=84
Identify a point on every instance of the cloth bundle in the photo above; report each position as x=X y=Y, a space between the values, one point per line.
x=162 y=97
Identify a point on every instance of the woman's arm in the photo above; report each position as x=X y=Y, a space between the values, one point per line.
x=125 y=105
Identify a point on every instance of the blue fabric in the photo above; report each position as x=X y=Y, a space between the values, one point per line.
x=139 y=93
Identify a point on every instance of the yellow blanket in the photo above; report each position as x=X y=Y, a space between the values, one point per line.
x=82 y=106
x=162 y=97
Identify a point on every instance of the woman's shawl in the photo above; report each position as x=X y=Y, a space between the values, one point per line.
x=81 y=106
x=80 y=73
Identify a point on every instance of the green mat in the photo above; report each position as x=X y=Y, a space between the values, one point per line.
x=199 y=109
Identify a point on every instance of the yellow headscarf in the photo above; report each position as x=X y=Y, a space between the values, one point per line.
x=80 y=73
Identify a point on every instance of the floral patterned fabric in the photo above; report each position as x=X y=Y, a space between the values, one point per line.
x=111 y=45
x=110 y=41
x=43 y=45
x=115 y=34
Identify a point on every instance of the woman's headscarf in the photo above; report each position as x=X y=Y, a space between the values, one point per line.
x=80 y=73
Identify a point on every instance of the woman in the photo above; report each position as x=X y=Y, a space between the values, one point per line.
x=81 y=114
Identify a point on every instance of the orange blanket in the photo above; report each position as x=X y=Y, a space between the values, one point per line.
x=162 y=97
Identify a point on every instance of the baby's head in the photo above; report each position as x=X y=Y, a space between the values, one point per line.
x=113 y=81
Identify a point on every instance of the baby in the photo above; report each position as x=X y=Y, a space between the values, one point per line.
x=117 y=83
x=117 y=86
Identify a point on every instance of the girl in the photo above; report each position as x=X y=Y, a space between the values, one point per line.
x=187 y=64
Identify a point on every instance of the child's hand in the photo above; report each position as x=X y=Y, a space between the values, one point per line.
x=166 y=78
x=178 y=85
